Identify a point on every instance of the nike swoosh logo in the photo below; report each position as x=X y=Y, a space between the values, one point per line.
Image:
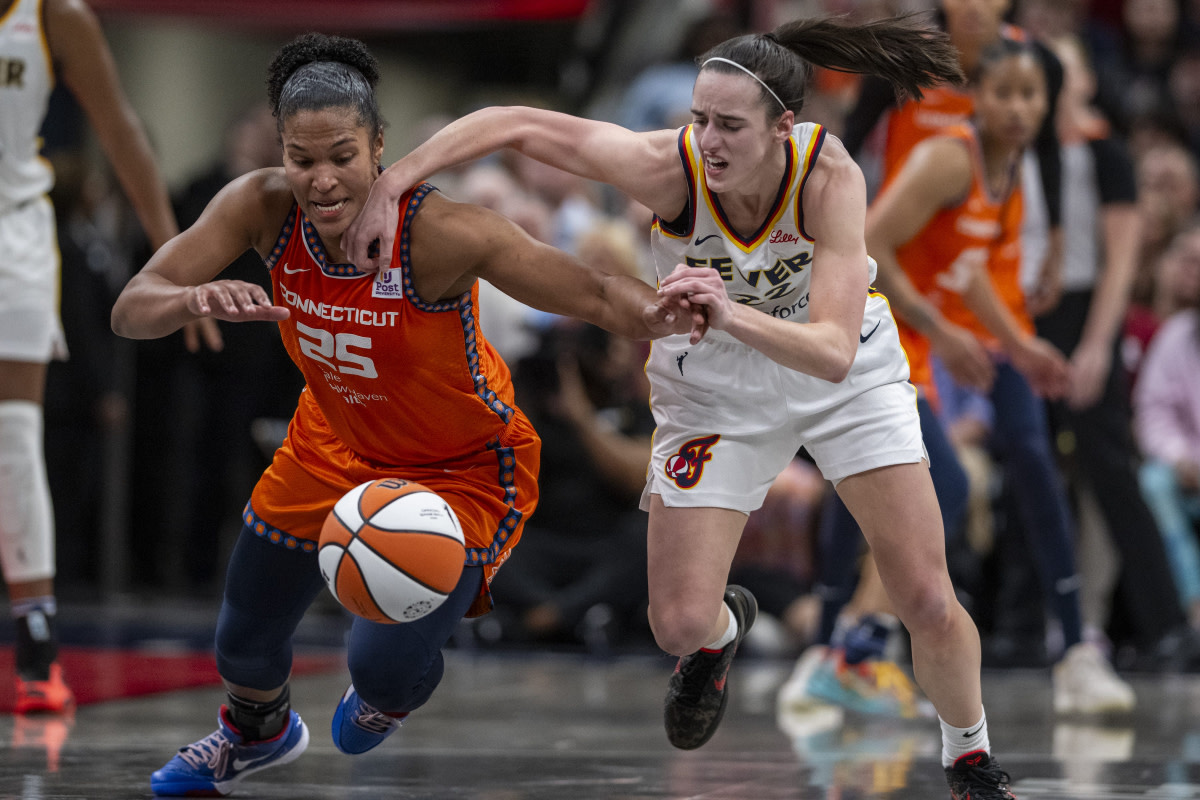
x=969 y=734
x=700 y=240
x=287 y=271
x=238 y=764
x=862 y=339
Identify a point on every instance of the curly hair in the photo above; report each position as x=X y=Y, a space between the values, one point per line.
x=316 y=71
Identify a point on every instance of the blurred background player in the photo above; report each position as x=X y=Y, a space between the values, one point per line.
x=41 y=41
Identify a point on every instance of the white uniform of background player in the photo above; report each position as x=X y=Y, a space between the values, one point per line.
x=730 y=418
x=30 y=330
x=42 y=41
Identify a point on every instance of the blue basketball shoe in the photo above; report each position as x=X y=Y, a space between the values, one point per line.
x=214 y=765
x=359 y=726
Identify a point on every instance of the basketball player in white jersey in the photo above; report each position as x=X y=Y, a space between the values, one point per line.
x=759 y=231
x=41 y=41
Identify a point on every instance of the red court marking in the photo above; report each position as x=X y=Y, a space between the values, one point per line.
x=97 y=674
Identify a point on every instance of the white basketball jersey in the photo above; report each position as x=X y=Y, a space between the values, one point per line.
x=26 y=78
x=770 y=270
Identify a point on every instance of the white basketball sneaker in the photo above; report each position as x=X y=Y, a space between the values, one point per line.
x=1085 y=683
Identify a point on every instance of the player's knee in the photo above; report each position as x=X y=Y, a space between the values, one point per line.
x=248 y=655
x=394 y=687
x=26 y=519
x=928 y=608
x=680 y=630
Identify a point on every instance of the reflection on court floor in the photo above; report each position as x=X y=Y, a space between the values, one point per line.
x=534 y=725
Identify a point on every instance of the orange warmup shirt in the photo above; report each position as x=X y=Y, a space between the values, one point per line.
x=973 y=233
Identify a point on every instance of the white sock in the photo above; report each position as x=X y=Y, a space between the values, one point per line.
x=728 y=636
x=960 y=741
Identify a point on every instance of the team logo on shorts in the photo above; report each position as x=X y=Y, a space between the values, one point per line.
x=687 y=465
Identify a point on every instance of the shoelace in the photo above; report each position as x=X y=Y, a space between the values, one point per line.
x=212 y=752
x=694 y=673
x=375 y=721
x=991 y=779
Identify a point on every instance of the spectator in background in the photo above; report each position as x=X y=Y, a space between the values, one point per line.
x=582 y=574
x=85 y=401
x=1154 y=34
x=1167 y=424
x=1168 y=181
x=1176 y=286
x=1101 y=227
x=582 y=580
x=1168 y=187
x=220 y=393
x=661 y=94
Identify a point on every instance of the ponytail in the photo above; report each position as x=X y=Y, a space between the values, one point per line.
x=909 y=55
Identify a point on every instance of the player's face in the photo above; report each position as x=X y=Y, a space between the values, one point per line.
x=1010 y=101
x=331 y=162
x=739 y=139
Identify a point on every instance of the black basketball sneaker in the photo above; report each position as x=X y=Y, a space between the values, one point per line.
x=696 y=694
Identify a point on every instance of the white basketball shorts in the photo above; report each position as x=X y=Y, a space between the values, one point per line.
x=730 y=419
x=30 y=327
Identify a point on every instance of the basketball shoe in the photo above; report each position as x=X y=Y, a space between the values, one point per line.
x=1085 y=683
x=976 y=776
x=359 y=726
x=51 y=696
x=214 y=765
x=696 y=693
x=877 y=687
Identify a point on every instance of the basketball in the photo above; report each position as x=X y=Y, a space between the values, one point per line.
x=391 y=550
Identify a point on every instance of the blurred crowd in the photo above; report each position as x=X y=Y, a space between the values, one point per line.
x=190 y=429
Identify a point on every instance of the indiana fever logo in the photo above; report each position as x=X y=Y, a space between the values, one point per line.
x=686 y=466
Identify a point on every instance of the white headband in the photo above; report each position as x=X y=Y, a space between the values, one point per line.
x=748 y=72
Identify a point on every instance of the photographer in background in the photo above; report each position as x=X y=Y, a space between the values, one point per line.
x=581 y=577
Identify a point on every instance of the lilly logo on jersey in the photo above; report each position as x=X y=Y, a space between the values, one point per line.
x=388 y=283
x=782 y=237
x=686 y=466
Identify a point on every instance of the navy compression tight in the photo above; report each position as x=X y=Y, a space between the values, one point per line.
x=268 y=588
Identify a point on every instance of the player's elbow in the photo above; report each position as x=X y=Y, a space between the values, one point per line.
x=837 y=366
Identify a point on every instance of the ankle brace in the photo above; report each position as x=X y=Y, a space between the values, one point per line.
x=259 y=721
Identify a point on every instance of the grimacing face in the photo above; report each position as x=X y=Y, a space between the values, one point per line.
x=738 y=139
x=331 y=160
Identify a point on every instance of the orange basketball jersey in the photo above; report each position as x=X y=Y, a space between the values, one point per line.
x=916 y=120
x=957 y=239
x=395 y=387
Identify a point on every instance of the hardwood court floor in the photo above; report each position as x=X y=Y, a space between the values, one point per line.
x=541 y=726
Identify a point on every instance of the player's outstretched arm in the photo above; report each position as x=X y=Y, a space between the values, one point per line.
x=491 y=247
x=87 y=68
x=176 y=286
x=645 y=166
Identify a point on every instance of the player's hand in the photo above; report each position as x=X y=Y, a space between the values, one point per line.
x=368 y=241
x=964 y=357
x=203 y=332
x=1090 y=365
x=665 y=317
x=700 y=292
x=234 y=301
x=1043 y=366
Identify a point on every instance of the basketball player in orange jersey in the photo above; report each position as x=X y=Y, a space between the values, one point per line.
x=400 y=383
x=42 y=41
x=935 y=230
x=759 y=232
x=857 y=628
